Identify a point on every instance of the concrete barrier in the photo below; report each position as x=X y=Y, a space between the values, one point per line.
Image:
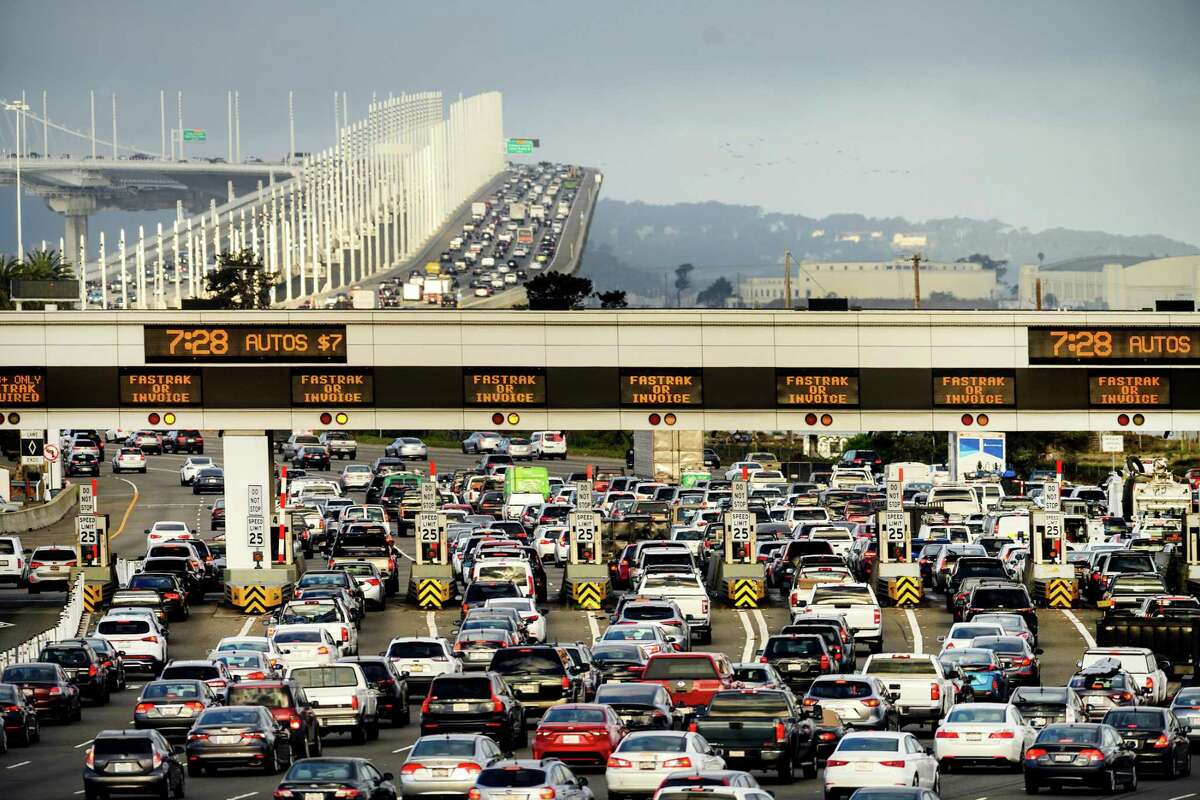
x=31 y=519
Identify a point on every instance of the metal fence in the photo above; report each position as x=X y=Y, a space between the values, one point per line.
x=67 y=627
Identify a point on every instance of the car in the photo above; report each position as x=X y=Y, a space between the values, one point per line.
x=237 y=736
x=341 y=777
x=170 y=706
x=311 y=457
x=216 y=520
x=407 y=447
x=82 y=464
x=48 y=688
x=548 y=444
x=678 y=784
x=540 y=778
x=480 y=441
x=1048 y=705
x=355 y=477
x=979 y=672
x=891 y=759
x=183 y=441
x=1084 y=754
x=982 y=734
x=961 y=634
x=578 y=733
x=859 y=701
x=423 y=659
x=1185 y=705
x=644 y=758
x=82 y=665
x=191 y=468
x=14 y=568
x=534 y=618
x=215 y=674
x=1158 y=739
x=444 y=765
x=50 y=568
x=245 y=665
x=516 y=447
x=1020 y=661
x=129 y=459
x=140 y=639
x=1147 y=669
x=389 y=684
x=1104 y=685
x=619 y=662
x=18 y=716
x=288 y=705
x=147 y=441
x=110 y=657
x=474 y=703
x=210 y=480
x=132 y=762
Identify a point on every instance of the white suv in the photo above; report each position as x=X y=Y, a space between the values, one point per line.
x=548 y=444
x=142 y=642
x=13 y=567
x=423 y=658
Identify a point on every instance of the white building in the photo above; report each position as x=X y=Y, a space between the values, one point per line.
x=867 y=280
x=1111 y=282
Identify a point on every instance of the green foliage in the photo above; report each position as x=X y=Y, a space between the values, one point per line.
x=683 y=281
x=240 y=282
x=716 y=294
x=999 y=266
x=612 y=299
x=557 y=291
x=928 y=448
x=38 y=265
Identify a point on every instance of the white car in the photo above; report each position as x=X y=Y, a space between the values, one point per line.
x=514 y=446
x=356 y=477
x=653 y=638
x=734 y=473
x=982 y=733
x=304 y=645
x=644 y=758
x=257 y=644
x=329 y=614
x=535 y=620
x=857 y=603
x=367 y=576
x=245 y=665
x=165 y=531
x=191 y=468
x=548 y=444
x=545 y=539
x=1142 y=665
x=879 y=759
x=423 y=658
x=50 y=567
x=13 y=567
x=130 y=459
x=962 y=633
x=142 y=641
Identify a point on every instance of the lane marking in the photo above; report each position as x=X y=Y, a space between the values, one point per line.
x=247 y=625
x=79 y=792
x=84 y=744
x=748 y=648
x=431 y=621
x=1183 y=796
x=19 y=764
x=762 y=626
x=1087 y=637
x=411 y=746
x=241 y=796
x=592 y=626
x=918 y=640
x=129 y=509
x=406 y=555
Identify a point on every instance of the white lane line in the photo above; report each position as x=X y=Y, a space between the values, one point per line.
x=592 y=626
x=1183 y=796
x=404 y=749
x=83 y=744
x=19 y=764
x=748 y=649
x=1087 y=637
x=763 y=634
x=918 y=640
x=406 y=555
x=249 y=623
x=79 y=792
x=431 y=622
x=241 y=796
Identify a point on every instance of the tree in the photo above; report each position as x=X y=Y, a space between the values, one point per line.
x=1041 y=258
x=716 y=294
x=683 y=282
x=612 y=299
x=240 y=282
x=38 y=265
x=999 y=266
x=557 y=291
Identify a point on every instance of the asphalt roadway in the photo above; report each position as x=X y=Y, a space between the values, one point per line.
x=50 y=770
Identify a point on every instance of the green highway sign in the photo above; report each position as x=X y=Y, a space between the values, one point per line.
x=195 y=135
x=519 y=147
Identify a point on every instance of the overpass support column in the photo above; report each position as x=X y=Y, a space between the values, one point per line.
x=254 y=581
x=76 y=209
x=666 y=455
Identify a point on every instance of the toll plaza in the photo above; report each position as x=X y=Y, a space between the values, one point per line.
x=737 y=577
x=586 y=582
x=431 y=583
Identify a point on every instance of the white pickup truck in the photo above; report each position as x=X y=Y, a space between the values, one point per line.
x=921 y=691
x=688 y=593
x=854 y=601
x=342 y=698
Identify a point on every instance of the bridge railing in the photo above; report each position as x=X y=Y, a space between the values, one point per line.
x=66 y=628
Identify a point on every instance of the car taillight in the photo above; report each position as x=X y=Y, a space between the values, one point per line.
x=944 y=734
x=256 y=676
x=894 y=763
x=762 y=659
x=36 y=565
x=345 y=634
x=354 y=702
x=1161 y=742
x=92 y=671
x=425 y=704
x=935 y=692
x=140 y=708
x=171 y=595
x=1122 y=696
x=497 y=704
x=1091 y=754
x=680 y=763
x=90 y=760
x=322 y=650
x=794 y=598
x=566 y=682
x=780 y=732
x=547 y=794
x=152 y=639
x=412 y=767
x=824 y=662
x=347 y=794
x=871 y=702
x=692 y=727
x=1149 y=683
x=1035 y=753
x=197 y=737
x=470 y=766
x=282 y=794
x=473 y=794
x=1022 y=662
x=1001 y=735
x=619 y=763
x=836 y=762
x=877 y=616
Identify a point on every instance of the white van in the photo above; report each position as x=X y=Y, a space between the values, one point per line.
x=954 y=499
x=548 y=444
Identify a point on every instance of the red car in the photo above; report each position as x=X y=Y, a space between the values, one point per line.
x=691 y=678
x=579 y=733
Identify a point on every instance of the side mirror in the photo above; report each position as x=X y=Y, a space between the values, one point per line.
x=928 y=751
x=941 y=639
x=583 y=781
x=387 y=776
x=179 y=750
x=1038 y=651
x=1164 y=664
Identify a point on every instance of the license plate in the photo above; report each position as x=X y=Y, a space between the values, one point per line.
x=441 y=773
x=225 y=739
x=528 y=688
x=3 y=563
x=460 y=706
x=476 y=655
x=795 y=667
x=572 y=738
x=416 y=668
x=863 y=766
x=1064 y=758
x=646 y=765
x=125 y=766
x=170 y=711
x=974 y=737
x=737 y=753
x=314 y=796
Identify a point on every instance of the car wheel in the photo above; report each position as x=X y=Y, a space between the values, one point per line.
x=35 y=589
x=1110 y=784
x=271 y=765
x=1171 y=767
x=358 y=735
x=373 y=730
x=195 y=770
x=318 y=747
x=1132 y=784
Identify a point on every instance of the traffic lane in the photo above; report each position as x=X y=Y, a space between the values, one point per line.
x=451 y=460
x=112 y=498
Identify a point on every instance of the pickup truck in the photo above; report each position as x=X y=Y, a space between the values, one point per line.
x=691 y=678
x=367 y=541
x=340 y=444
x=856 y=602
x=762 y=729
x=689 y=594
x=920 y=688
x=342 y=698
x=800 y=658
x=296 y=441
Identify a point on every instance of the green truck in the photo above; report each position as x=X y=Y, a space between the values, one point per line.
x=527 y=480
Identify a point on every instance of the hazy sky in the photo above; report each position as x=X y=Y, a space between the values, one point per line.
x=1075 y=113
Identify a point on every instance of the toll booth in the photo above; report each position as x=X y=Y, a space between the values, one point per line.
x=737 y=576
x=1050 y=579
x=586 y=583
x=1191 y=545
x=897 y=573
x=431 y=578
x=92 y=550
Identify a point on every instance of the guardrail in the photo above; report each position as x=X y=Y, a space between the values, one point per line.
x=125 y=570
x=31 y=519
x=67 y=628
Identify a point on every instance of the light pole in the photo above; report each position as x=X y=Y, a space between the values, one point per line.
x=20 y=107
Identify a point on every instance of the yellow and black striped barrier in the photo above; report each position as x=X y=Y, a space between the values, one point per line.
x=1061 y=592
x=255 y=599
x=433 y=593
x=745 y=592
x=905 y=591
x=97 y=595
x=589 y=595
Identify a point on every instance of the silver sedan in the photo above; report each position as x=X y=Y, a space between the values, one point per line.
x=446 y=764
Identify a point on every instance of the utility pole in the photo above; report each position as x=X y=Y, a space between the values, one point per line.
x=1038 y=287
x=229 y=126
x=179 y=115
x=787 y=279
x=916 y=260
x=20 y=107
x=237 y=126
x=92 y=95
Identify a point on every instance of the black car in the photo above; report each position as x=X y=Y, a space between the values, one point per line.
x=480 y=592
x=1158 y=740
x=127 y=762
x=82 y=464
x=389 y=684
x=238 y=736
x=110 y=658
x=190 y=441
x=1084 y=754
x=210 y=479
x=182 y=568
x=539 y=676
x=217 y=519
x=1011 y=599
x=836 y=636
x=711 y=459
x=477 y=703
x=800 y=658
x=337 y=777
x=83 y=666
x=48 y=688
x=311 y=457
x=20 y=718
x=171 y=706
x=641 y=706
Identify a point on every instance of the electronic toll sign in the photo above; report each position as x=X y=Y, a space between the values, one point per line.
x=314 y=387
x=661 y=387
x=1114 y=345
x=22 y=387
x=1128 y=390
x=507 y=387
x=161 y=388
x=965 y=389
x=227 y=344
x=816 y=388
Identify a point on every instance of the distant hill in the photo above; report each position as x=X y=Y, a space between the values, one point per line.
x=728 y=239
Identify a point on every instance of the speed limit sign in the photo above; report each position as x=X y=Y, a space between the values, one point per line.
x=427 y=526
x=88 y=536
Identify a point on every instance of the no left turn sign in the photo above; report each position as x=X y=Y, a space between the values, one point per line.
x=50 y=453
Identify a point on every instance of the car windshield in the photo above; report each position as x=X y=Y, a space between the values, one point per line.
x=834 y=595
x=968 y=658
x=653 y=743
x=840 y=690
x=30 y=674
x=1069 y=734
x=266 y=696
x=793 y=646
x=864 y=744
x=304 y=614
x=1000 y=598
x=156 y=582
x=200 y=672
x=626 y=693
x=576 y=714
x=416 y=650
x=230 y=716
x=321 y=579
x=746 y=704
x=526 y=661
x=901 y=666
x=433 y=748
x=67 y=657
x=1134 y=719
x=969 y=632
x=136 y=746
x=298 y=637
x=241 y=660
x=318 y=770
x=53 y=554
x=122 y=627
x=968 y=714
x=616 y=652
x=183 y=690
x=515 y=777
x=461 y=689
x=324 y=677
x=685 y=668
x=1098 y=682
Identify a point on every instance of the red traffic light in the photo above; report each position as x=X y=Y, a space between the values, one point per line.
x=1122 y=419
x=967 y=419
x=497 y=418
x=326 y=418
x=153 y=418
x=654 y=418
x=810 y=419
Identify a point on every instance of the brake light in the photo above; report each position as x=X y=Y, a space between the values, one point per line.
x=347 y=794
x=411 y=767
x=618 y=763
x=1161 y=742
x=547 y=794
x=836 y=762
x=90 y=761
x=877 y=616
x=425 y=704
x=354 y=702
x=566 y=682
x=1122 y=696
x=498 y=704
x=1022 y=662
x=1001 y=735
x=1091 y=754
x=92 y=671
x=282 y=794
x=824 y=662
x=152 y=639
x=692 y=727
x=780 y=732
x=935 y=692
x=345 y=634
x=762 y=659
x=256 y=676
x=682 y=763
x=197 y=737
x=170 y=595
x=871 y=702
x=895 y=764
x=1035 y=753
x=942 y=734
x=323 y=650
x=1149 y=682
x=140 y=708
x=36 y=564
x=473 y=794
